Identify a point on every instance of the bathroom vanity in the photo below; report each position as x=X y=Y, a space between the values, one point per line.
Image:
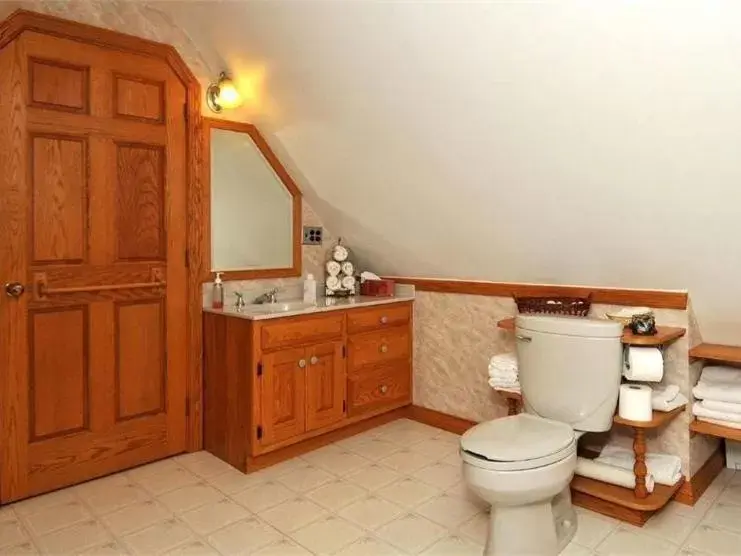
x=279 y=374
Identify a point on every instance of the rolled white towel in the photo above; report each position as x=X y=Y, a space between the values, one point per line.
x=725 y=407
x=699 y=411
x=720 y=373
x=665 y=468
x=504 y=362
x=720 y=391
x=594 y=469
x=496 y=373
x=503 y=383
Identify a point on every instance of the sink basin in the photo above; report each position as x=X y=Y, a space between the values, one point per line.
x=280 y=307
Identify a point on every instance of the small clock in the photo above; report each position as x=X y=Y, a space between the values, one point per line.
x=348 y=268
x=333 y=268
x=340 y=253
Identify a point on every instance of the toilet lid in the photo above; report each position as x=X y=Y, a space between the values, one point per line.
x=517 y=438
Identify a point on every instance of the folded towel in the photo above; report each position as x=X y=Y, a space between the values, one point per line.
x=503 y=362
x=718 y=391
x=699 y=411
x=729 y=424
x=666 y=393
x=726 y=407
x=508 y=386
x=661 y=404
x=665 y=468
x=720 y=373
x=593 y=469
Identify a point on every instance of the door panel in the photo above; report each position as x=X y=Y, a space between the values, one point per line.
x=92 y=209
x=325 y=385
x=283 y=394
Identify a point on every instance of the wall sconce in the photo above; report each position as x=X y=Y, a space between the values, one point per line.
x=222 y=94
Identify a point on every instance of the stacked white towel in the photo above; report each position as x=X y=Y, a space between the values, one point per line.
x=719 y=392
x=667 y=398
x=665 y=468
x=503 y=372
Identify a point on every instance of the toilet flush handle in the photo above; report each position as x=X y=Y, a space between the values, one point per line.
x=521 y=338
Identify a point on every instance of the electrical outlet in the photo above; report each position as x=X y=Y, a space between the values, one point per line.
x=313 y=235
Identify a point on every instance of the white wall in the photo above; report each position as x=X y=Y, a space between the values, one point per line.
x=570 y=142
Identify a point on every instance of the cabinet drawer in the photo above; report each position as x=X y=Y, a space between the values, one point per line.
x=378 y=347
x=385 y=316
x=374 y=389
x=301 y=330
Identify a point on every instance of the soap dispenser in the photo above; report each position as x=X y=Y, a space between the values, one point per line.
x=310 y=289
x=217 y=294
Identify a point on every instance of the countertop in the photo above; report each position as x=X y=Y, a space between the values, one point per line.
x=296 y=307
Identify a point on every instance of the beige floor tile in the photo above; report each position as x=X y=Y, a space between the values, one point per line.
x=264 y=496
x=573 y=549
x=686 y=551
x=159 y=483
x=135 y=517
x=712 y=540
x=203 y=464
x=336 y=494
x=476 y=528
x=274 y=471
x=293 y=514
x=448 y=437
x=56 y=517
x=695 y=513
x=461 y=490
x=110 y=548
x=370 y=512
x=74 y=539
x=436 y=449
x=12 y=532
x=306 y=478
x=207 y=519
x=592 y=528
x=405 y=461
x=454 y=545
x=107 y=498
x=24 y=549
x=453 y=459
x=373 y=477
x=623 y=542
x=44 y=501
x=152 y=469
x=335 y=460
x=724 y=516
x=190 y=497
x=244 y=537
x=670 y=527
x=408 y=492
x=327 y=535
x=448 y=511
x=440 y=475
x=194 y=548
x=284 y=547
x=411 y=533
x=373 y=449
x=159 y=538
x=100 y=486
x=369 y=546
x=235 y=481
x=407 y=437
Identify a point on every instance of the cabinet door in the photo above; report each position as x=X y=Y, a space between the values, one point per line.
x=283 y=395
x=325 y=385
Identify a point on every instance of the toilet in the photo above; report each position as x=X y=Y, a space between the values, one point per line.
x=522 y=465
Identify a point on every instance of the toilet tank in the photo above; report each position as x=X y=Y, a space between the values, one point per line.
x=570 y=369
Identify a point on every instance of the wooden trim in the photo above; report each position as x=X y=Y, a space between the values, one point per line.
x=285 y=177
x=712 y=429
x=440 y=420
x=691 y=491
x=657 y=299
x=717 y=352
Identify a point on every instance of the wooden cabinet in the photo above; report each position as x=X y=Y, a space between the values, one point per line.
x=271 y=383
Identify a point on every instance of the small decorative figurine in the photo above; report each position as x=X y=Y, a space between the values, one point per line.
x=643 y=324
x=340 y=281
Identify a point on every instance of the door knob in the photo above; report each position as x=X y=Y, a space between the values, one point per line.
x=14 y=289
x=314 y=360
x=384 y=348
x=302 y=363
x=384 y=388
x=384 y=319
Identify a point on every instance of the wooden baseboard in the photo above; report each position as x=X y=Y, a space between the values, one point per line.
x=693 y=489
x=440 y=420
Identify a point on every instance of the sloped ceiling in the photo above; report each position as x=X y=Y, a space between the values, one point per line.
x=560 y=142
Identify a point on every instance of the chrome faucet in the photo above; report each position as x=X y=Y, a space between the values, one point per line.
x=268 y=297
x=239 y=303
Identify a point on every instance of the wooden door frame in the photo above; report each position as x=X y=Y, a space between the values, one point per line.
x=23 y=20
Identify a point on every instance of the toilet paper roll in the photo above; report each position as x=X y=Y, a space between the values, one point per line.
x=609 y=474
x=645 y=364
x=635 y=402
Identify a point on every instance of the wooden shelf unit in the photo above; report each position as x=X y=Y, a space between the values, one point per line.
x=660 y=418
x=665 y=335
x=717 y=352
x=711 y=429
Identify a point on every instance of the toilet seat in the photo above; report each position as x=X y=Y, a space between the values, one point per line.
x=517 y=443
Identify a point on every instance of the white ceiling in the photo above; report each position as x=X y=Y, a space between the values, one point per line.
x=567 y=142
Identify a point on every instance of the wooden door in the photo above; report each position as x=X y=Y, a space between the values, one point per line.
x=283 y=395
x=325 y=385
x=92 y=224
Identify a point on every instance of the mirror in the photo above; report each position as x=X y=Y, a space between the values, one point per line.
x=255 y=206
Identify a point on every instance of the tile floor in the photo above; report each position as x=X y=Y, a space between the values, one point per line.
x=393 y=490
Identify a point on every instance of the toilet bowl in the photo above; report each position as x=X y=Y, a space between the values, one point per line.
x=522 y=466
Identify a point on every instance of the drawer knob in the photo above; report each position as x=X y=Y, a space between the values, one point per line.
x=384 y=319
x=384 y=348
x=302 y=363
x=314 y=360
x=384 y=388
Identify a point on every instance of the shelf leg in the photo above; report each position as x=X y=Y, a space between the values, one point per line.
x=639 y=468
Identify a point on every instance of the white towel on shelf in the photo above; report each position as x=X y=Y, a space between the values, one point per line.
x=514 y=389
x=729 y=424
x=665 y=468
x=720 y=373
x=718 y=391
x=503 y=363
x=667 y=398
x=594 y=469
x=699 y=411
x=499 y=385
x=726 y=407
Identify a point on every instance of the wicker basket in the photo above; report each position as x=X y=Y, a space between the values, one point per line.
x=576 y=306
